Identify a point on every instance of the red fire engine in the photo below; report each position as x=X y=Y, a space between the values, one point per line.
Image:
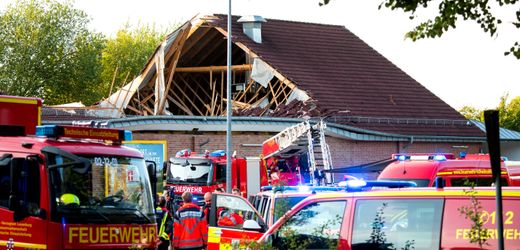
x=423 y=169
x=71 y=187
x=298 y=155
x=201 y=173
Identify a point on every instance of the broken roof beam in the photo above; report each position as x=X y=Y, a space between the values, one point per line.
x=179 y=44
x=240 y=105
x=243 y=67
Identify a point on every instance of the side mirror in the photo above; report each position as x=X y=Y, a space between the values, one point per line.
x=251 y=225
x=165 y=171
x=151 y=166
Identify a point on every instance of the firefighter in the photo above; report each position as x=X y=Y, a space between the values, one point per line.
x=166 y=224
x=207 y=205
x=229 y=218
x=190 y=226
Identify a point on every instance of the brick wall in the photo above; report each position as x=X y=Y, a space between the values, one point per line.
x=344 y=152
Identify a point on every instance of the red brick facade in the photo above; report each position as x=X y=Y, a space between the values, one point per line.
x=344 y=152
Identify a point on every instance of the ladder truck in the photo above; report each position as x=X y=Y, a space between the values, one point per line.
x=298 y=155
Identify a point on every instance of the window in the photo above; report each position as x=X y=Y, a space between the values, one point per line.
x=220 y=173
x=265 y=213
x=263 y=205
x=483 y=181
x=5 y=181
x=29 y=185
x=397 y=224
x=232 y=211
x=284 y=204
x=315 y=226
x=419 y=182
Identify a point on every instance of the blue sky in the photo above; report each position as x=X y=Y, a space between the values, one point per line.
x=464 y=67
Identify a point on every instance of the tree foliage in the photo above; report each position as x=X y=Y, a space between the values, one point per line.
x=509 y=113
x=46 y=50
x=126 y=54
x=472 y=113
x=482 y=12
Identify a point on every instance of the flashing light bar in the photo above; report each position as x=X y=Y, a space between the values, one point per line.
x=84 y=133
x=302 y=189
x=436 y=157
x=357 y=185
x=218 y=153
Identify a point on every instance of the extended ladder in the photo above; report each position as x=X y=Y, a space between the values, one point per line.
x=301 y=139
x=319 y=154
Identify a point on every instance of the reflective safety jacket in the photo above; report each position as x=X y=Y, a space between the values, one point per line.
x=190 y=227
x=166 y=228
x=229 y=218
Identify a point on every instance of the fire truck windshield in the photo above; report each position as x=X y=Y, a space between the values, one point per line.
x=100 y=189
x=190 y=170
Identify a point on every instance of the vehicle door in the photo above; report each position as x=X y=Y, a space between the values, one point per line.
x=22 y=213
x=233 y=222
x=457 y=230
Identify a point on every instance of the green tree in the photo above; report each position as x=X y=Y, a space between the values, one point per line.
x=472 y=113
x=509 y=112
x=126 y=54
x=449 y=12
x=46 y=50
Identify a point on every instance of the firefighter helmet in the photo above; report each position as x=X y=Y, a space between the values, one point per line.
x=69 y=199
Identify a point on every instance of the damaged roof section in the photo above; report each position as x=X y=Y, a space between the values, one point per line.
x=187 y=76
x=281 y=69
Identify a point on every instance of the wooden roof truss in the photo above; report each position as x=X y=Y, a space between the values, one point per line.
x=189 y=78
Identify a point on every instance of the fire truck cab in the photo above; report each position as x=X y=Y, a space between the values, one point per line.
x=69 y=187
x=423 y=169
x=411 y=218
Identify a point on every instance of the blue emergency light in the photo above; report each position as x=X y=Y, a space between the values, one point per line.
x=359 y=185
x=47 y=131
x=401 y=157
x=404 y=157
x=218 y=153
x=439 y=157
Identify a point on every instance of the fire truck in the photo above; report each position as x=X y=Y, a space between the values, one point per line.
x=69 y=187
x=298 y=155
x=201 y=173
x=424 y=169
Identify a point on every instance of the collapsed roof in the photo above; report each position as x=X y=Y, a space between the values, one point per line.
x=294 y=69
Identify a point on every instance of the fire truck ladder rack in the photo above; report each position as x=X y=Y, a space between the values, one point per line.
x=304 y=138
x=319 y=153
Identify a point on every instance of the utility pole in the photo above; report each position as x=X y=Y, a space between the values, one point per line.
x=228 y=106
